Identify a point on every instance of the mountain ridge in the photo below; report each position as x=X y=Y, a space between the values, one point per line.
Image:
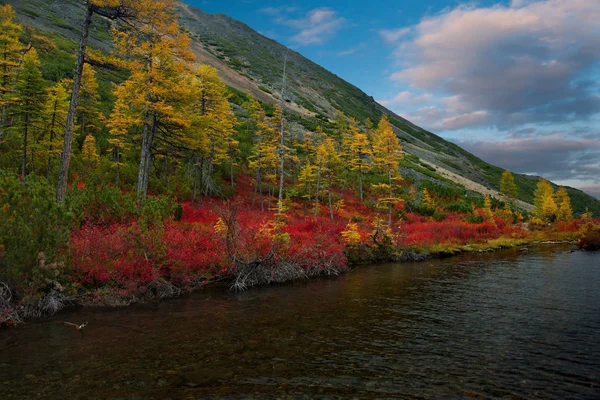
x=250 y=61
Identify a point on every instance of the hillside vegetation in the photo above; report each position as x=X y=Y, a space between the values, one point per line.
x=177 y=163
x=250 y=62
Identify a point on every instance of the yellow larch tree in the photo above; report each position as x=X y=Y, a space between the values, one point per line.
x=55 y=113
x=508 y=186
x=89 y=152
x=88 y=112
x=263 y=155
x=563 y=201
x=359 y=154
x=158 y=91
x=111 y=9
x=427 y=201
x=543 y=201
x=11 y=57
x=212 y=123
x=387 y=153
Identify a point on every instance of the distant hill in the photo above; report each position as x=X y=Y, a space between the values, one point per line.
x=251 y=62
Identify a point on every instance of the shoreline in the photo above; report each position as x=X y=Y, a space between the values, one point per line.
x=113 y=300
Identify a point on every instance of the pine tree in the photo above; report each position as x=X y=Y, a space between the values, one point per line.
x=111 y=9
x=543 y=201
x=360 y=153
x=487 y=207
x=321 y=159
x=263 y=155
x=55 y=114
x=89 y=100
x=11 y=56
x=427 y=201
x=30 y=96
x=387 y=153
x=121 y=120
x=159 y=88
x=508 y=186
x=212 y=122
x=89 y=152
x=563 y=201
x=333 y=163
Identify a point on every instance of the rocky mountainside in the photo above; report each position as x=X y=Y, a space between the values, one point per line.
x=251 y=62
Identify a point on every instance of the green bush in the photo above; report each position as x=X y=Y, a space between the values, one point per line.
x=439 y=217
x=34 y=230
x=459 y=207
x=356 y=218
x=475 y=219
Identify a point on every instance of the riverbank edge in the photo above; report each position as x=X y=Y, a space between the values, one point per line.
x=163 y=290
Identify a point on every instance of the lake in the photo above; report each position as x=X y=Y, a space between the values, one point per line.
x=510 y=325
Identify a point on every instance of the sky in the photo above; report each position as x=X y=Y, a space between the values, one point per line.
x=516 y=82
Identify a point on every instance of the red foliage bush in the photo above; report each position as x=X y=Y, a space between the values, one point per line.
x=449 y=231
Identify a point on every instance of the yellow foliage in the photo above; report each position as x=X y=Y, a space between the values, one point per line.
x=427 y=200
x=351 y=235
x=563 y=202
x=220 y=227
x=543 y=201
x=88 y=151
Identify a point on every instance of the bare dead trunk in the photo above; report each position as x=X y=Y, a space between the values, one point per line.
x=66 y=154
x=282 y=139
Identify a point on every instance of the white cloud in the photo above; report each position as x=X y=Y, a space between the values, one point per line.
x=407 y=98
x=315 y=27
x=393 y=35
x=507 y=65
x=351 y=51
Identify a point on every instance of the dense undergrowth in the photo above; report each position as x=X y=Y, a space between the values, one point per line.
x=175 y=180
x=100 y=248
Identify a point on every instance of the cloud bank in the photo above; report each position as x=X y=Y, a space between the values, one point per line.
x=523 y=70
x=315 y=27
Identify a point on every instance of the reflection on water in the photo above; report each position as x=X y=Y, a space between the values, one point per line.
x=503 y=325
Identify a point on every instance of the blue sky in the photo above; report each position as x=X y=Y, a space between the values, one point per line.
x=516 y=82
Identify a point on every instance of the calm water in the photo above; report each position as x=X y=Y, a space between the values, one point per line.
x=503 y=325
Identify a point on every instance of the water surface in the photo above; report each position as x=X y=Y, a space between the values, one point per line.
x=505 y=325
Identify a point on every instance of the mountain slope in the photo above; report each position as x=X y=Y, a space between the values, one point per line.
x=249 y=61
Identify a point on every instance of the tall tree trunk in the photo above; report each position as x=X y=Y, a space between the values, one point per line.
x=118 y=177
x=33 y=160
x=25 y=132
x=3 y=121
x=260 y=191
x=194 y=179
x=282 y=139
x=201 y=180
x=256 y=186
x=209 y=172
x=317 y=194
x=66 y=154
x=149 y=142
x=360 y=183
x=52 y=126
x=143 y=158
x=231 y=170
x=390 y=205
x=329 y=195
x=83 y=125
